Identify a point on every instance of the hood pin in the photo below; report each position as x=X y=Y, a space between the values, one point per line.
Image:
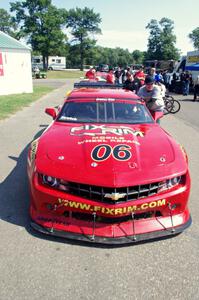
x=94 y=164
x=162 y=159
x=61 y=157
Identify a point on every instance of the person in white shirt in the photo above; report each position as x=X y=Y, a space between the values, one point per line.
x=152 y=95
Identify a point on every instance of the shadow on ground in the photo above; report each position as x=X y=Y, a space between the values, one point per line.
x=14 y=194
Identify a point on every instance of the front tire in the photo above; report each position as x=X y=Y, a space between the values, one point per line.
x=175 y=107
x=172 y=106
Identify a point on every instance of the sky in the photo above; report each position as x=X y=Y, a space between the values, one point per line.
x=123 y=22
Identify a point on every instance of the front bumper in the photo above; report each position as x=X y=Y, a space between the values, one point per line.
x=59 y=214
x=113 y=240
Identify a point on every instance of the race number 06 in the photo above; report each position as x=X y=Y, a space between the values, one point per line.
x=103 y=152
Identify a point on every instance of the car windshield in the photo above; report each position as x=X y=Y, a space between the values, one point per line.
x=104 y=112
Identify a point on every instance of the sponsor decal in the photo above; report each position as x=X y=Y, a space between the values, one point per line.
x=192 y=59
x=100 y=130
x=68 y=118
x=108 y=210
x=107 y=139
x=105 y=99
x=184 y=153
x=54 y=220
x=33 y=150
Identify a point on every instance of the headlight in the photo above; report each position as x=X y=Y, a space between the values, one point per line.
x=54 y=182
x=51 y=181
x=173 y=181
x=170 y=183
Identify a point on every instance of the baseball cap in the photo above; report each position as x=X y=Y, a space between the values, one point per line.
x=149 y=80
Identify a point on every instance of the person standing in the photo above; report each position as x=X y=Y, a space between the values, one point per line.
x=140 y=75
x=36 y=72
x=118 y=74
x=152 y=72
x=110 y=78
x=196 y=88
x=158 y=77
x=132 y=84
x=185 y=79
x=167 y=76
x=91 y=74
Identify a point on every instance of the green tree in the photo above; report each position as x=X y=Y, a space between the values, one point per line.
x=161 y=42
x=154 y=43
x=138 y=57
x=74 y=59
x=83 y=22
x=194 y=36
x=41 y=23
x=124 y=57
x=7 y=23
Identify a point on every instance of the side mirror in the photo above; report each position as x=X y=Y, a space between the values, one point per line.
x=51 y=112
x=157 y=115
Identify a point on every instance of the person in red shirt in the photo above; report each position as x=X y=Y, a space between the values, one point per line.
x=91 y=74
x=140 y=75
x=110 y=78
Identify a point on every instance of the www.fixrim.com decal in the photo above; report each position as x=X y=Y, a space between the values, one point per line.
x=108 y=210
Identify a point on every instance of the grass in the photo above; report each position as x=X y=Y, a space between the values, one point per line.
x=9 y=104
x=65 y=74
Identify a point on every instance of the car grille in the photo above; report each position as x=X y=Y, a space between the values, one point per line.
x=113 y=195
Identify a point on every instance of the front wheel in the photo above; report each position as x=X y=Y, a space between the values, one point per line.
x=174 y=107
x=171 y=105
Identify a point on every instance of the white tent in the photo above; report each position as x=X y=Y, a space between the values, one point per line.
x=15 y=66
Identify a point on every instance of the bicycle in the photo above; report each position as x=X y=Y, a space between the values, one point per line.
x=172 y=105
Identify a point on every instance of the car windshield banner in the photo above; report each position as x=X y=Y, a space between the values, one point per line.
x=1 y=65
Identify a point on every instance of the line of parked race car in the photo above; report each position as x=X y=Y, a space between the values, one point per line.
x=104 y=171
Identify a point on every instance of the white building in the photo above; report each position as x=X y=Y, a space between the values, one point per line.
x=15 y=66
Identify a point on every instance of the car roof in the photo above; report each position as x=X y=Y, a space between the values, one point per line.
x=102 y=93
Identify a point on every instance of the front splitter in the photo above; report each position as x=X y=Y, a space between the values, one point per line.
x=110 y=240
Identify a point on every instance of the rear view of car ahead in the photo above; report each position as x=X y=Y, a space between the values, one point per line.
x=106 y=172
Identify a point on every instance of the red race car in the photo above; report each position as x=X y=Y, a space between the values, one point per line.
x=104 y=171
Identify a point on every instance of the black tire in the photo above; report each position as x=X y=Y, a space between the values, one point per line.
x=168 y=102
x=175 y=107
x=171 y=105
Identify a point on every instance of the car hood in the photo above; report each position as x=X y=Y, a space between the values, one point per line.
x=109 y=155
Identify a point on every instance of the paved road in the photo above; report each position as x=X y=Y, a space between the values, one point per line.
x=56 y=83
x=189 y=110
x=35 y=267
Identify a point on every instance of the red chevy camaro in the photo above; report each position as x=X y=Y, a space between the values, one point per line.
x=105 y=171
